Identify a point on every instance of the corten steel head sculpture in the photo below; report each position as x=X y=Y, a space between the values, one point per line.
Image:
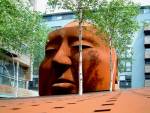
x=58 y=73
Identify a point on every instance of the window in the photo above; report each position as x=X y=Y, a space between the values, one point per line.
x=21 y=84
x=128 y=69
x=56 y=27
x=128 y=66
x=5 y=80
x=129 y=53
x=56 y=17
x=146 y=10
x=7 y=73
x=69 y=16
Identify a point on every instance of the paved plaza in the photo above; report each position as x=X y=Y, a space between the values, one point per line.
x=125 y=101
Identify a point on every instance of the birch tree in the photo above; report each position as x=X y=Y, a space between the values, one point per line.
x=117 y=19
x=79 y=7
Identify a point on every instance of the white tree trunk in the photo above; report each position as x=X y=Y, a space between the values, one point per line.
x=31 y=67
x=14 y=71
x=80 y=52
x=17 y=79
x=111 y=66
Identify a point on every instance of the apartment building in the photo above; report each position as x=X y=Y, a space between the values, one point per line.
x=140 y=46
x=15 y=73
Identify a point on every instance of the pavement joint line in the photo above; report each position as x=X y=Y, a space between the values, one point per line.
x=71 y=103
x=15 y=108
x=102 y=110
x=110 y=100
x=35 y=105
x=108 y=104
x=3 y=106
x=49 y=102
x=58 y=107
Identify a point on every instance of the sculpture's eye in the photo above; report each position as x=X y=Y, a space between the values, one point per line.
x=85 y=45
x=50 y=51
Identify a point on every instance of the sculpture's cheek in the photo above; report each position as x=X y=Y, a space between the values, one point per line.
x=91 y=71
x=91 y=64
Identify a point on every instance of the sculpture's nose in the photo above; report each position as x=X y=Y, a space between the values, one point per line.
x=63 y=54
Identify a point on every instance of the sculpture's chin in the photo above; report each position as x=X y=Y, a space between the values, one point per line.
x=63 y=88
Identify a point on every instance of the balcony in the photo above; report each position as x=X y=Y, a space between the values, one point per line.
x=147 y=68
x=147 y=54
x=147 y=39
x=147 y=28
x=23 y=60
x=147 y=83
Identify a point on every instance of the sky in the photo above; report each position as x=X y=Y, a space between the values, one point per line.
x=41 y=4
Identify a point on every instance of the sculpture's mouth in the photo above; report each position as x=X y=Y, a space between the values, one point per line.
x=63 y=86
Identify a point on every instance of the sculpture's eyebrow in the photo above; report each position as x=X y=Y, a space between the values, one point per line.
x=91 y=39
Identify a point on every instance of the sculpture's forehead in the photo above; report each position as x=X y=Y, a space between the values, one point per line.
x=72 y=33
x=64 y=32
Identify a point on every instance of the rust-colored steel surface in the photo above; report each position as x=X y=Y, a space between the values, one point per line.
x=58 y=73
x=127 y=101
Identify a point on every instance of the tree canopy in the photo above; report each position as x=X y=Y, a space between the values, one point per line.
x=20 y=28
x=117 y=19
